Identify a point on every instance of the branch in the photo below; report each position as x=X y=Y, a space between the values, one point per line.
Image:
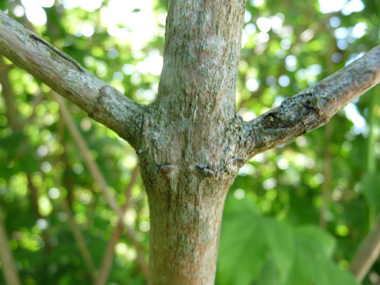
x=6 y=257
x=366 y=254
x=312 y=107
x=66 y=76
x=81 y=243
x=108 y=255
x=99 y=178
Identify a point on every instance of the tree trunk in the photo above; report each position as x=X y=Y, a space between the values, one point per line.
x=186 y=213
x=186 y=151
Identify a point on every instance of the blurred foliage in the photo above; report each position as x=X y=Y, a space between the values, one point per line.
x=270 y=231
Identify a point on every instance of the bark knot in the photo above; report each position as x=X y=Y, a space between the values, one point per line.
x=206 y=171
x=166 y=169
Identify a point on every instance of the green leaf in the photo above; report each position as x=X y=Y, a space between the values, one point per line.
x=234 y=206
x=312 y=263
x=269 y=274
x=318 y=238
x=247 y=239
x=259 y=249
x=242 y=249
x=281 y=247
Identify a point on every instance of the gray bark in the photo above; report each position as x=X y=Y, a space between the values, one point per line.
x=190 y=141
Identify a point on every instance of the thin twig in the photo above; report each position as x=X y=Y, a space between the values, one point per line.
x=33 y=198
x=66 y=206
x=6 y=257
x=369 y=249
x=12 y=112
x=327 y=169
x=327 y=173
x=99 y=178
x=81 y=243
x=110 y=251
x=15 y=123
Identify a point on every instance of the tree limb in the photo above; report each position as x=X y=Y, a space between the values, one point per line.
x=312 y=107
x=66 y=76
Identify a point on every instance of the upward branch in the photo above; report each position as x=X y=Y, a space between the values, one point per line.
x=312 y=107
x=66 y=76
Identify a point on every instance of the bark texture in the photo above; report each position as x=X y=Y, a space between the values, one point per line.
x=186 y=151
x=190 y=141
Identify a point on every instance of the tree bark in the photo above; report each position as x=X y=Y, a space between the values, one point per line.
x=190 y=141
x=185 y=148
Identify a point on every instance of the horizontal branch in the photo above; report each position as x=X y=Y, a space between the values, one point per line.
x=67 y=77
x=312 y=107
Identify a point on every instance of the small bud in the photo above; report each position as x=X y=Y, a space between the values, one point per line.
x=167 y=168
x=237 y=162
x=209 y=173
